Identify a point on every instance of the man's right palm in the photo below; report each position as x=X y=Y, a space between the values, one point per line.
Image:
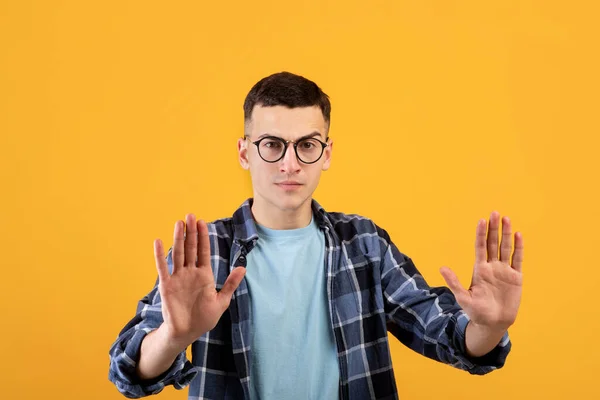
x=191 y=306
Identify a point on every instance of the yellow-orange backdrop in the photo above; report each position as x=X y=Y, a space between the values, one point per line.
x=117 y=118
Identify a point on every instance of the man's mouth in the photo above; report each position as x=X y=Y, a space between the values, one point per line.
x=289 y=185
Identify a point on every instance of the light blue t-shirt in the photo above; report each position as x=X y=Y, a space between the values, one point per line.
x=294 y=355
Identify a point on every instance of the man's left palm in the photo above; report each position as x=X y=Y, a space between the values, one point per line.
x=494 y=296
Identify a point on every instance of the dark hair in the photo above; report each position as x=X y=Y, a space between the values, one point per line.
x=286 y=89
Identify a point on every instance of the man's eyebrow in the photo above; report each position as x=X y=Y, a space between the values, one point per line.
x=310 y=135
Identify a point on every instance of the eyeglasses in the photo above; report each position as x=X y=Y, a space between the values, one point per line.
x=273 y=148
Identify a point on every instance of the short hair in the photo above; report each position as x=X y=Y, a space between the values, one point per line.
x=287 y=89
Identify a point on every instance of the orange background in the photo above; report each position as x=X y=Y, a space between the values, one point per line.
x=117 y=118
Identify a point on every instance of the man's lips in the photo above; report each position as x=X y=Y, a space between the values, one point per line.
x=289 y=183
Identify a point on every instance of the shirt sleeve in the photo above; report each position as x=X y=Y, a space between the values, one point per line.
x=125 y=351
x=428 y=319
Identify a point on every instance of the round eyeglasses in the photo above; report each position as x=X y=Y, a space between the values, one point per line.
x=273 y=148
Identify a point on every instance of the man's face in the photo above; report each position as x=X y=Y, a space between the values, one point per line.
x=288 y=183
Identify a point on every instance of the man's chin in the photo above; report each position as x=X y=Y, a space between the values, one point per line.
x=289 y=202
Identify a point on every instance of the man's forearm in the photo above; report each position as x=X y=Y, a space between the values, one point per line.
x=481 y=340
x=157 y=353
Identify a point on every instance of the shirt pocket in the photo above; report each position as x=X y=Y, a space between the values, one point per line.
x=364 y=275
x=361 y=307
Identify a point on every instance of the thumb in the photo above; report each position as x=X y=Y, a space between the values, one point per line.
x=453 y=283
x=233 y=281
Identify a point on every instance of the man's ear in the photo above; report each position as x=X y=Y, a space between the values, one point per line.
x=327 y=155
x=243 y=152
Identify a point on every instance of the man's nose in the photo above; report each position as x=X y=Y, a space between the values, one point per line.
x=290 y=162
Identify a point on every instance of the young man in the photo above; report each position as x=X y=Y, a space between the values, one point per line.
x=288 y=301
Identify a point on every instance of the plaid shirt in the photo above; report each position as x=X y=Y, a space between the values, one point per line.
x=372 y=288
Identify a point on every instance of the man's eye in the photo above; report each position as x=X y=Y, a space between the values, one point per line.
x=271 y=144
x=309 y=144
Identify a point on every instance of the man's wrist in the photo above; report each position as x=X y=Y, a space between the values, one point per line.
x=481 y=339
x=172 y=344
x=489 y=330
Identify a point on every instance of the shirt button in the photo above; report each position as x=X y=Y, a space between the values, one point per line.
x=242 y=259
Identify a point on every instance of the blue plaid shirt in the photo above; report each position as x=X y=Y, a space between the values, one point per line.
x=372 y=288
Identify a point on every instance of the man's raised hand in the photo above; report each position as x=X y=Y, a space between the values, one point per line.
x=191 y=305
x=494 y=296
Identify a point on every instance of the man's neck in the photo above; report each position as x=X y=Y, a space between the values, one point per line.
x=271 y=217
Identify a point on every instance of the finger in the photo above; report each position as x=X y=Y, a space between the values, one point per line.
x=191 y=240
x=178 y=255
x=517 y=257
x=506 y=243
x=480 y=249
x=492 y=238
x=451 y=279
x=233 y=281
x=203 y=245
x=161 y=262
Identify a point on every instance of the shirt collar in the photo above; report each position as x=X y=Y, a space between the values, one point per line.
x=245 y=228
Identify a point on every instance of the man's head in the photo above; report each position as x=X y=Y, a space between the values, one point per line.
x=289 y=107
